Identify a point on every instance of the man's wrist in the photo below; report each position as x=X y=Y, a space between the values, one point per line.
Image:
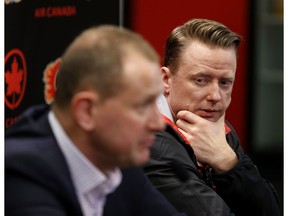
x=226 y=163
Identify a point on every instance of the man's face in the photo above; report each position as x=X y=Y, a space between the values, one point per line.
x=126 y=123
x=203 y=82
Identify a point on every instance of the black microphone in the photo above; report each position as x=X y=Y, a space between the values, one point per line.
x=179 y=170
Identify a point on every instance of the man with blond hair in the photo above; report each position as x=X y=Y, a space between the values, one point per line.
x=199 y=146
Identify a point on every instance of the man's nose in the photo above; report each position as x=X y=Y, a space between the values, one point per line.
x=214 y=93
x=156 y=121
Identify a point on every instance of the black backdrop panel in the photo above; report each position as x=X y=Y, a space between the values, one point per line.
x=36 y=34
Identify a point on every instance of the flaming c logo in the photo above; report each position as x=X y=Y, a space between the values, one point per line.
x=15 y=78
x=49 y=79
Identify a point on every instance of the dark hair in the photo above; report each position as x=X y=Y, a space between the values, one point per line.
x=94 y=60
x=209 y=32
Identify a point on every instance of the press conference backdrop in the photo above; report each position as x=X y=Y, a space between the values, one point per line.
x=36 y=34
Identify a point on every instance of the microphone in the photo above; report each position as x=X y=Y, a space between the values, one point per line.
x=179 y=170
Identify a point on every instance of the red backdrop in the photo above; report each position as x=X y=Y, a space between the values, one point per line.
x=155 y=20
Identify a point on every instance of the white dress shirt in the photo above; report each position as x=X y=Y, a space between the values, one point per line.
x=163 y=107
x=90 y=183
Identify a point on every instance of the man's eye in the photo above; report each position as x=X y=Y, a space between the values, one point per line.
x=200 y=81
x=226 y=83
x=143 y=107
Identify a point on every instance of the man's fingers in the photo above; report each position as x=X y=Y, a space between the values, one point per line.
x=183 y=124
x=188 y=116
x=182 y=131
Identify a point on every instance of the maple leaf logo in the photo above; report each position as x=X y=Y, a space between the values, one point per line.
x=14 y=78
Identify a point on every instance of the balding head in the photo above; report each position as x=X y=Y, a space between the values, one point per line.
x=94 y=60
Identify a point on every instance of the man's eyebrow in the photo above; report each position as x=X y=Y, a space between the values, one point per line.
x=197 y=74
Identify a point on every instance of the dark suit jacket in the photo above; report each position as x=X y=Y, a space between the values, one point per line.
x=38 y=182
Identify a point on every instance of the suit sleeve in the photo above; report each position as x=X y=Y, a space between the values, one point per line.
x=26 y=198
x=192 y=196
x=33 y=187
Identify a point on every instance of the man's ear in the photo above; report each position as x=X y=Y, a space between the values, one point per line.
x=166 y=75
x=83 y=107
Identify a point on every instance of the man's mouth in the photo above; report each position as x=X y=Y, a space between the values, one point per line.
x=148 y=141
x=207 y=113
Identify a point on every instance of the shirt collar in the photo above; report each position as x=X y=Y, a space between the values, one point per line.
x=85 y=175
x=163 y=107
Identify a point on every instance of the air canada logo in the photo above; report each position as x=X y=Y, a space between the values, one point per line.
x=49 y=79
x=15 y=78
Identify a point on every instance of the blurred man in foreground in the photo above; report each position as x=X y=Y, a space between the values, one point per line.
x=66 y=160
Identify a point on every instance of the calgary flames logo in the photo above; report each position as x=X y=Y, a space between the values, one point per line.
x=49 y=79
x=15 y=78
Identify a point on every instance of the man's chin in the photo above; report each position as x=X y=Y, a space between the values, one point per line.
x=212 y=119
x=141 y=158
